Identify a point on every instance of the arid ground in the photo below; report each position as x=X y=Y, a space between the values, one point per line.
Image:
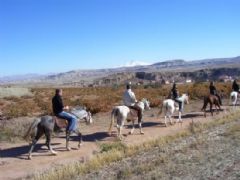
x=210 y=154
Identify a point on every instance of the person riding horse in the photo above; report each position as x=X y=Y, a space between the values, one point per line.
x=58 y=110
x=235 y=86
x=175 y=96
x=213 y=91
x=129 y=100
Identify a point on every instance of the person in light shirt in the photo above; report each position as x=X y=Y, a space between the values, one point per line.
x=129 y=100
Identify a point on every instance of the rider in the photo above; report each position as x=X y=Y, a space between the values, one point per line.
x=235 y=86
x=129 y=99
x=213 y=91
x=175 y=96
x=58 y=110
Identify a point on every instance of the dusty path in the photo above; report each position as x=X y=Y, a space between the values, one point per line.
x=14 y=163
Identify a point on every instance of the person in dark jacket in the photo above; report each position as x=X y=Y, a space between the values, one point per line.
x=175 y=96
x=235 y=86
x=58 y=110
x=213 y=91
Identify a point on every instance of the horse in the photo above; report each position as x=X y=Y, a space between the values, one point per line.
x=168 y=106
x=47 y=124
x=233 y=98
x=122 y=113
x=212 y=100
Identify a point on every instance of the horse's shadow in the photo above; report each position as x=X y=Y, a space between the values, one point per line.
x=18 y=152
x=214 y=110
x=145 y=124
x=189 y=115
x=97 y=136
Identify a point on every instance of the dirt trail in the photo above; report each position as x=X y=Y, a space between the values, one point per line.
x=14 y=163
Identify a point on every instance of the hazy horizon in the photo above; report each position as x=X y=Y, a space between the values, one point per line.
x=129 y=64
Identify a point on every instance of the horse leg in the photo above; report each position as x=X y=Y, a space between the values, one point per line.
x=120 y=133
x=211 y=110
x=133 y=127
x=170 y=119
x=48 y=141
x=205 y=113
x=67 y=140
x=80 y=141
x=180 y=116
x=235 y=101
x=165 y=120
x=140 y=126
x=34 y=142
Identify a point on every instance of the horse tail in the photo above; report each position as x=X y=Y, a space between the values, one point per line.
x=114 y=113
x=31 y=128
x=167 y=106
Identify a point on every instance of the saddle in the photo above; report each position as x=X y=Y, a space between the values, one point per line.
x=61 y=123
x=132 y=115
x=176 y=105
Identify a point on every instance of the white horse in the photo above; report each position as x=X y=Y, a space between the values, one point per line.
x=121 y=113
x=234 y=97
x=169 y=107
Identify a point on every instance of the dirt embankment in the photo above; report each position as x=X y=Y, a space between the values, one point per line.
x=211 y=154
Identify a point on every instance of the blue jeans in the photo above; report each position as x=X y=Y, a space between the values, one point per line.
x=72 y=120
x=180 y=104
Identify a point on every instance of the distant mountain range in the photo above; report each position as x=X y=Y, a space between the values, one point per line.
x=85 y=77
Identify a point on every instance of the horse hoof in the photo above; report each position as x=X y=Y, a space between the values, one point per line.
x=141 y=132
x=79 y=145
x=54 y=153
x=69 y=149
x=131 y=132
x=29 y=157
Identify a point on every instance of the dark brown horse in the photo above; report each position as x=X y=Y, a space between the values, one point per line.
x=212 y=100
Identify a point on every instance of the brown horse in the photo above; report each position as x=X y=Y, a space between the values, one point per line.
x=212 y=100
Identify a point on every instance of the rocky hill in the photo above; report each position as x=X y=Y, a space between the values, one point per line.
x=171 y=70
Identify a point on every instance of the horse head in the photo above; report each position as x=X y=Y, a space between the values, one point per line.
x=89 y=119
x=185 y=98
x=146 y=104
x=83 y=114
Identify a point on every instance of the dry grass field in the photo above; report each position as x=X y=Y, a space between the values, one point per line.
x=164 y=151
x=29 y=102
x=25 y=102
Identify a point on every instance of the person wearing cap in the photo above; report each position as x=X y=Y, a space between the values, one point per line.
x=129 y=99
x=58 y=110
x=235 y=86
x=213 y=91
x=175 y=96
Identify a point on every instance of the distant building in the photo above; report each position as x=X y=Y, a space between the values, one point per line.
x=225 y=78
x=188 y=81
x=167 y=82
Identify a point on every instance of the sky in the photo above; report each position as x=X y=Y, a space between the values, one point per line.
x=49 y=36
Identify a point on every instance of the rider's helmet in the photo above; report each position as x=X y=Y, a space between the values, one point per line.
x=128 y=85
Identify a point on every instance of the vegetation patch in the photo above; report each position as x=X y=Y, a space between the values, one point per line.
x=115 y=152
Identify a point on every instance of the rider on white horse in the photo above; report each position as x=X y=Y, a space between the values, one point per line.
x=175 y=96
x=129 y=100
x=235 y=86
